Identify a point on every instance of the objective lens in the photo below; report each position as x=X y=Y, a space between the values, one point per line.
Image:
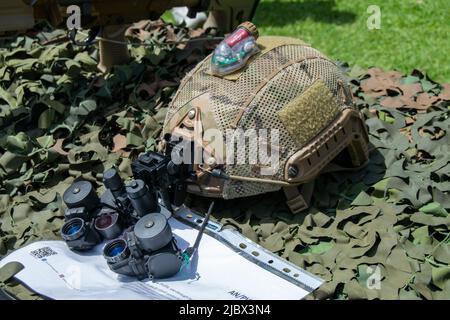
x=103 y=221
x=73 y=229
x=116 y=251
x=108 y=226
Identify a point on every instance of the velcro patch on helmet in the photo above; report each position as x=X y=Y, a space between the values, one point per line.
x=310 y=112
x=268 y=43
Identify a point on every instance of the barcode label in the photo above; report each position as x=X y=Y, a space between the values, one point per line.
x=43 y=252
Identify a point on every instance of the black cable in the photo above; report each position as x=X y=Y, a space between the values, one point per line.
x=191 y=250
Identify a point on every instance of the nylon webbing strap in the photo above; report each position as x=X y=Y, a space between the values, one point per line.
x=332 y=167
x=299 y=197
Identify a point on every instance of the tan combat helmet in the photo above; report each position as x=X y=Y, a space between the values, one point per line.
x=288 y=86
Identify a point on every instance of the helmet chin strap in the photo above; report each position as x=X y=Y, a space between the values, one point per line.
x=298 y=198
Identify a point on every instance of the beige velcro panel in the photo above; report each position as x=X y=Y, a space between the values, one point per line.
x=267 y=43
x=306 y=115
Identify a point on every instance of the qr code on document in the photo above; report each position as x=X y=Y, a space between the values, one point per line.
x=43 y=252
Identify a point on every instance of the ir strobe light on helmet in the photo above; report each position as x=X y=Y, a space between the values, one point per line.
x=233 y=52
x=116 y=251
x=73 y=229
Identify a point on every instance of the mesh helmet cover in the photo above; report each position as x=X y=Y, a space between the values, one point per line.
x=288 y=85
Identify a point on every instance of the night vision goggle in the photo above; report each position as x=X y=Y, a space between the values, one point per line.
x=129 y=215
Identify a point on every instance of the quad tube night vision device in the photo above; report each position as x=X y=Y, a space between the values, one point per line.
x=141 y=242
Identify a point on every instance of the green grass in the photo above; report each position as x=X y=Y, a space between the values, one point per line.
x=414 y=34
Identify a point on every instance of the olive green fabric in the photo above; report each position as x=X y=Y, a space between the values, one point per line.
x=310 y=112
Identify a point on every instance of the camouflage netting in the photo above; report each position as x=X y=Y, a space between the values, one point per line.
x=61 y=120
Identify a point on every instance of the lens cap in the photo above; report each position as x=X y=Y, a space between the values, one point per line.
x=81 y=194
x=153 y=232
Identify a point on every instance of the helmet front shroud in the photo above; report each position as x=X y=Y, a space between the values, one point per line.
x=287 y=86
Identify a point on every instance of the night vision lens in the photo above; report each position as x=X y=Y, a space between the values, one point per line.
x=73 y=229
x=104 y=221
x=116 y=251
x=108 y=226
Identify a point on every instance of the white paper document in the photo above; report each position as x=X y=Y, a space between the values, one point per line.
x=216 y=272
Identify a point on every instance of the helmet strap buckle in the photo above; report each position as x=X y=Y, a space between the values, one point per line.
x=298 y=198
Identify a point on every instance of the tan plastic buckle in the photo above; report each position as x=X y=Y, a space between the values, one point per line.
x=299 y=197
x=297 y=204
